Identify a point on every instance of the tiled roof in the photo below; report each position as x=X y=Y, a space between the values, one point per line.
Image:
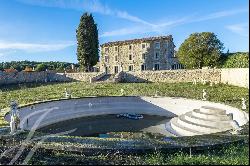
x=169 y=37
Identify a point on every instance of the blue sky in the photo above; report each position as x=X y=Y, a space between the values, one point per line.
x=44 y=30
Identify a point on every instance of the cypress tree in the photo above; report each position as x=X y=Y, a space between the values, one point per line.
x=87 y=42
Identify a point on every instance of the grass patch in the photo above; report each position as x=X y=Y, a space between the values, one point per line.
x=229 y=95
x=28 y=93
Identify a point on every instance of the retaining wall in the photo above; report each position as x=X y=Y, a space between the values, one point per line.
x=28 y=77
x=235 y=76
x=232 y=76
x=172 y=76
x=43 y=77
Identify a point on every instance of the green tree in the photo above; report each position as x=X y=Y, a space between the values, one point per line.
x=199 y=50
x=87 y=42
x=1 y=67
x=41 y=67
x=237 y=60
x=17 y=67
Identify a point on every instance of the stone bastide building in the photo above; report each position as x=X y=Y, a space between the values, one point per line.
x=153 y=53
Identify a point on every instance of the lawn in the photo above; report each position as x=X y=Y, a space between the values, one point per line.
x=230 y=95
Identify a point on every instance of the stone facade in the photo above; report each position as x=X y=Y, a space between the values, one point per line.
x=155 y=53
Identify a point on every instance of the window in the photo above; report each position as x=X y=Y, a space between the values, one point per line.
x=177 y=66
x=130 y=57
x=116 y=48
x=173 y=54
x=116 y=69
x=131 y=68
x=143 y=56
x=157 y=67
x=173 y=66
x=157 y=45
x=165 y=44
x=157 y=54
x=106 y=59
x=130 y=47
x=143 y=67
x=143 y=46
x=106 y=49
x=116 y=58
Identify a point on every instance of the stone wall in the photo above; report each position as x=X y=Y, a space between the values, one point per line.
x=28 y=77
x=172 y=76
x=43 y=77
x=235 y=76
x=85 y=77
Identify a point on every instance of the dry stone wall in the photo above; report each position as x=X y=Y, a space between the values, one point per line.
x=85 y=77
x=28 y=77
x=43 y=77
x=172 y=76
x=237 y=77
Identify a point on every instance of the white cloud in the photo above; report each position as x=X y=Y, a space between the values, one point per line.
x=219 y=14
x=128 y=31
x=94 y=6
x=242 y=29
x=173 y=23
x=120 y=32
x=125 y=15
x=33 y=47
x=140 y=29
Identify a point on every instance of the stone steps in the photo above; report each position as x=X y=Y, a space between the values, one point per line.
x=208 y=122
x=182 y=130
x=106 y=78
x=198 y=113
x=169 y=129
x=212 y=110
x=205 y=120
x=196 y=126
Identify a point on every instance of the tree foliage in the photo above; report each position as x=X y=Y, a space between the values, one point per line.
x=21 y=65
x=199 y=50
x=41 y=67
x=236 y=60
x=87 y=42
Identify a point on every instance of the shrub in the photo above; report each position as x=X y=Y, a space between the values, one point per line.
x=41 y=67
x=236 y=60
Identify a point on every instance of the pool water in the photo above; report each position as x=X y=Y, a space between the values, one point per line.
x=100 y=126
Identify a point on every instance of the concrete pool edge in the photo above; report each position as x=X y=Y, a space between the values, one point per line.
x=149 y=99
